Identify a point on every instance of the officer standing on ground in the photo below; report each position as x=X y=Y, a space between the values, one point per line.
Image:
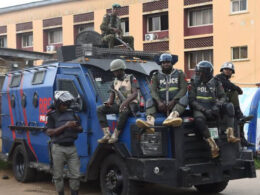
x=111 y=28
x=232 y=92
x=63 y=128
x=207 y=99
x=125 y=85
x=168 y=89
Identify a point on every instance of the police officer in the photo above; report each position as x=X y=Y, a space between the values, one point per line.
x=232 y=91
x=207 y=99
x=63 y=128
x=168 y=89
x=111 y=28
x=122 y=101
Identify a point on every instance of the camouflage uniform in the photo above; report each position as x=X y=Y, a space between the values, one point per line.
x=108 y=35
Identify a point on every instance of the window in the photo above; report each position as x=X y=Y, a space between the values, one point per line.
x=16 y=79
x=3 y=41
x=68 y=85
x=84 y=27
x=55 y=36
x=38 y=77
x=158 y=23
x=239 y=53
x=27 y=40
x=196 y=56
x=200 y=17
x=125 y=26
x=238 y=6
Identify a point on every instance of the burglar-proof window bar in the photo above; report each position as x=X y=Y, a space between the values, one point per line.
x=55 y=36
x=195 y=57
x=200 y=17
x=158 y=23
x=27 y=40
x=125 y=26
x=238 y=6
x=239 y=53
x=3 y=41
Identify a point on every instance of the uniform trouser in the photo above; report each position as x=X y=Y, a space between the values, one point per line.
x=103 y=110
x=201 y=120
x=153 y=110
x=111 y=40
x=65 y=155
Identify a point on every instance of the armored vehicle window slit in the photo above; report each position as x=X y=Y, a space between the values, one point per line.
x=16 y=80
x=103 y=81
x=38 y=77
x=68 y=85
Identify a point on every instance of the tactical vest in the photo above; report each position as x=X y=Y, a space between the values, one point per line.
x=125 y=88
x=206 y=93
x=170 y=81
x=68 y=135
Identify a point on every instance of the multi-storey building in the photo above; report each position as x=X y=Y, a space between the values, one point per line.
x=195 y=30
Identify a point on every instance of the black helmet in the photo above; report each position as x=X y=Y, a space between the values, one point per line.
x=228 y=65
x=165 y=57
x=205 y=70
x=64 y=97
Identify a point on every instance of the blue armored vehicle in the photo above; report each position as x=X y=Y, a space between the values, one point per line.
x=175 y=157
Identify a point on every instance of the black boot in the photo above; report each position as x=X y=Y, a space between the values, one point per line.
x=74 y=192
x=241 y=118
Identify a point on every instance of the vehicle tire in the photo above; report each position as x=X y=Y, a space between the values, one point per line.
x=212 y=188
x=21 y=169
x=114 y=177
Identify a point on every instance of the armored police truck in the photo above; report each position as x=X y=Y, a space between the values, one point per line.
x=175 y=157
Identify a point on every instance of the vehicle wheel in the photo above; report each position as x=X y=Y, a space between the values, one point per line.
x=21 y=169
x=114 y=177
x=212 y=188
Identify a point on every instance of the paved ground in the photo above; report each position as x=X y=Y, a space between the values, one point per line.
x=43 y=186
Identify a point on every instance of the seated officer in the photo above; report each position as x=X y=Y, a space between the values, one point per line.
x=207 y=99
x=232 y=92
x=167 y=89
x=63 y=128
x=111 y=28
x=122 y=101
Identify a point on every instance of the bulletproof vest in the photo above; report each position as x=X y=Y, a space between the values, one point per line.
x=124 y=87
x=170 y=82
x=206 y=93
x=68 y=135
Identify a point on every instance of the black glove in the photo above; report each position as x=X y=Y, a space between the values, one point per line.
x=239 y=90
x=209 y=113
x=215 y=110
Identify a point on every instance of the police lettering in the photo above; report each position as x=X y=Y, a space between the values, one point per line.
x=170 y=81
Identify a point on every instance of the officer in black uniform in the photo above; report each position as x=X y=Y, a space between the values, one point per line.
x=63 y=127
x=232 y=92
x=168 y=91
x=207 y=99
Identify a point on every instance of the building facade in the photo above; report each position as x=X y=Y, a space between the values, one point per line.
x=195 y=30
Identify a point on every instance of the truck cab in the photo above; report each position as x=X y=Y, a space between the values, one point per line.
x=176 y=157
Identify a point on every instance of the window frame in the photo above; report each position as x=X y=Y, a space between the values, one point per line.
x=160 y=26
x=4 y=38
x=203 y=58
x=11 y=85
x=53 y=31
x=35 y=74
x=240 y=11
x=239 y=59
x=196 y=10
x=22 y=40
x=123 y=21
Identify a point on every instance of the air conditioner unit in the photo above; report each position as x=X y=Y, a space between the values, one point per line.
x=150 y=37
x=50 y=48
